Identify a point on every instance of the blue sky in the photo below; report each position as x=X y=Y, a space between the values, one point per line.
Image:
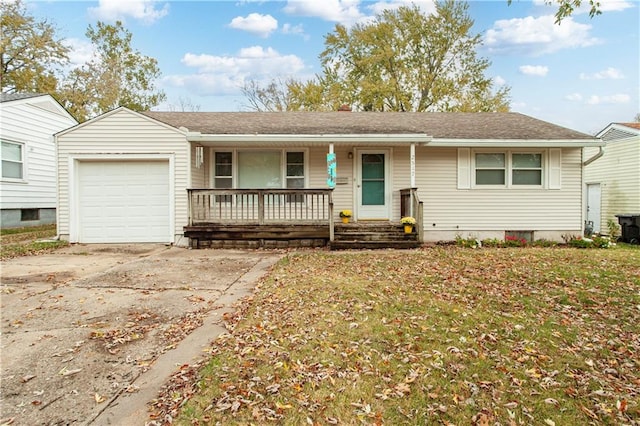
x=582 y=74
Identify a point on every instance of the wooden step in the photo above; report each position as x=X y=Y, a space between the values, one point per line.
x=372 y=235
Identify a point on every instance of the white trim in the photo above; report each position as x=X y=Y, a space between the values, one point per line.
x=73 y=182
x=464 y=168
x=23 y=153
x=516 y=143
x=545 y=175
x=388 y=187
x=620 y=127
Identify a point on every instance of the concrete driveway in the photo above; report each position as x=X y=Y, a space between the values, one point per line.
x=91 y=332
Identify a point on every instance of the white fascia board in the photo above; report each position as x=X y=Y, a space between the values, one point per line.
x=392 y=139
x=518 y=143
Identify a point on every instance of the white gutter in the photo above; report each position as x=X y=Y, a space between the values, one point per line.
x=520 y=143
x=599 y=154
x=422 y=139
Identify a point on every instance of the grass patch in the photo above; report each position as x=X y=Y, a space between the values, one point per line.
x=444 y=335
x=24 y=241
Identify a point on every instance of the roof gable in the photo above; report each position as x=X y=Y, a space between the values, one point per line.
x=37 y=100
x=119 y=110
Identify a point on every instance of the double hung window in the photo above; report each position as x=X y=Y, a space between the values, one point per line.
x=512 y=169
x=12 y=160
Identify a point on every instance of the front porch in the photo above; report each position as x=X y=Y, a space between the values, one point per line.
x=282 y=218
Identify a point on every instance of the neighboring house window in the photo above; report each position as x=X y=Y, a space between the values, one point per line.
x=12 y=160
x=508 y=169
x=29 y=215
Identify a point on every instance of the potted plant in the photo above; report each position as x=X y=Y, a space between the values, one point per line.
x=408 y=223
x=345 y=215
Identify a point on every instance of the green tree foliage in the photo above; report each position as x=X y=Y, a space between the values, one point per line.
x=30 y=53
x=403 y=60
x=408 y=61
x=567 y=7
x=116 y=76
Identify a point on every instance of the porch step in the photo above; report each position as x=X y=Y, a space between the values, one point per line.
x=372 y=235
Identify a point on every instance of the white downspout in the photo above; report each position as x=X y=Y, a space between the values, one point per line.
x=595 y=157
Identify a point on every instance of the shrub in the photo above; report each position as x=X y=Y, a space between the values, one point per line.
x=492 y=242
x=469 y=242
x=544 y=243
x=511 y=241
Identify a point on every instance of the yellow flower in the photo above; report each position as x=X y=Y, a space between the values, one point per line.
x=408 y=220
x=345 y=213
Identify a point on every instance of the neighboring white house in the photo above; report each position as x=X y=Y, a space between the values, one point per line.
x=613 y=181
x=138 y=177
x=28 y=184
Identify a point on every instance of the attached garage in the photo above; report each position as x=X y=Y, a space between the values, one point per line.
x=123 y=201
x=123 y=178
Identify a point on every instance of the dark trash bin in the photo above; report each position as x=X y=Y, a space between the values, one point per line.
x=630 y=224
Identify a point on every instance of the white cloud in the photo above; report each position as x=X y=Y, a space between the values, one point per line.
x=537 y=70
x=608 y=74
x=575 y=97
x=255 y=23
x=80 y=51
x=225 y=75
x=427 y=6
x=295 y=30
x=537 y=36
x=143 y=10
x=346 y=12
x=619 y=98
x=499 y=81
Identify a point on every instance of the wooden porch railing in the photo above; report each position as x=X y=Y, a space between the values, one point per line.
x=260 y=206
x=410 y=205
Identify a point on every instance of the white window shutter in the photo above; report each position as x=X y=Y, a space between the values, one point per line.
x=555 y=168
x=464 y=168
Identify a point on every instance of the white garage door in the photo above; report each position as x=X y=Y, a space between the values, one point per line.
x=123 y=201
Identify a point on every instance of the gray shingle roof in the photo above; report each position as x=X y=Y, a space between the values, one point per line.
x=7 y=97
x=439 y=125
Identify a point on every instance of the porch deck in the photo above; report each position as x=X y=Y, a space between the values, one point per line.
x=281 y=218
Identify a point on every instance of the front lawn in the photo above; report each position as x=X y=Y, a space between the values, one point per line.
x=30 y=240
x=444 y=335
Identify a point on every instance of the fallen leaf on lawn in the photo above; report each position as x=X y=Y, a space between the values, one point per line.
x=28 y=377
x=549 y=422
x=66 y=372
x=551 y=401
x=99 y=398
x=621 y=405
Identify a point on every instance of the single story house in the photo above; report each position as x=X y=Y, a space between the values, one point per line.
x=613 y=182
x=189 y=177
x=28 y=170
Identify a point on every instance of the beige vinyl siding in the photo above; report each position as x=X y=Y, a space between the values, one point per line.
x=33 y=127
x=343 y=193
x=199 y=174
x=618 y=173
x=120 y=133
x=468 y=211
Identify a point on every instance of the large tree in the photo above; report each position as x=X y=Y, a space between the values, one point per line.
x=403 y=60
x=30 y=52
x=117 y=75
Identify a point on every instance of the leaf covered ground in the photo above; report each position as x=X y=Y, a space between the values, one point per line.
x=444 y=335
